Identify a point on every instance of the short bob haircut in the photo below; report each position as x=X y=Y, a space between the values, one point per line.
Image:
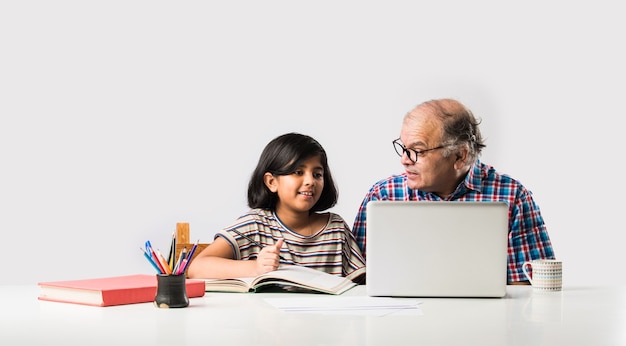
x=282 y=156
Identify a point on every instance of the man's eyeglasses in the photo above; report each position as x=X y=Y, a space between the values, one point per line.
x=412 y=154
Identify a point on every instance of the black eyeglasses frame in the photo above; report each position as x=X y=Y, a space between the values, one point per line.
x=401 y=150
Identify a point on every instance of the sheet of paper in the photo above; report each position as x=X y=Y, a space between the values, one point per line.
x=342 y=305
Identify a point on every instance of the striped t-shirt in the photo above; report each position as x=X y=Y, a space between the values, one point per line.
x=332 y=249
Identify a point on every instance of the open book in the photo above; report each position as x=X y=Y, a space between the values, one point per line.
x=289 y=277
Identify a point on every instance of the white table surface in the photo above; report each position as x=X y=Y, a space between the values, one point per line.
x=574 y=316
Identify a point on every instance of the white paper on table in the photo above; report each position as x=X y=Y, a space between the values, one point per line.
x=350 y=305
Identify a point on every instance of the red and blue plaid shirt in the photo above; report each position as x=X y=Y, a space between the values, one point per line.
x=528 y=236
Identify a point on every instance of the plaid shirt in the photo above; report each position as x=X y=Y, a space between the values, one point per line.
x=528 y=237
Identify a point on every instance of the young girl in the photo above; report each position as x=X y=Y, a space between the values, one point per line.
x=289 y=188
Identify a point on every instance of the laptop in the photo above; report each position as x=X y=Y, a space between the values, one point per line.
x=437 y=249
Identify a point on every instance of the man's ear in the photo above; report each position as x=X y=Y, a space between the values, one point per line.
x=462 y=157
x=270 y=181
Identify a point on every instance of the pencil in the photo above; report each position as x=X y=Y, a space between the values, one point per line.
x=181 y=257
x=164 y=264
x=188 y=258
x=172 y=254
x=193 y=249
x=183 y=266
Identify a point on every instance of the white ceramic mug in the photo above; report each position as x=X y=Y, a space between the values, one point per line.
x=545 y=275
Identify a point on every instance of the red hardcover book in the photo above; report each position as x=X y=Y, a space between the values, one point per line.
x=117 y=290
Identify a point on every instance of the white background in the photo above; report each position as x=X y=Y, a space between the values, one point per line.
x=121 y=118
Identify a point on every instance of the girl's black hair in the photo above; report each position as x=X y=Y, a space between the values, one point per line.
x=282 y=156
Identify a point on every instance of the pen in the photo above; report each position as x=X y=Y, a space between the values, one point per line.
x=145 y=254
x=154 y=257
x=254 y=242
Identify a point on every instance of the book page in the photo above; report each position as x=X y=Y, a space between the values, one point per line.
x=92 y=297
x=306 y=278
x=228 y=285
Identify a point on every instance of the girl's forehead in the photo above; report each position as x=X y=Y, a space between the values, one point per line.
x=314 y=160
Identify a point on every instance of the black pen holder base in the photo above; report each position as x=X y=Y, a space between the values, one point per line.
x=171 y=291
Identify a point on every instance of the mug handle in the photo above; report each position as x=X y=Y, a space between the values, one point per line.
x=526 y=271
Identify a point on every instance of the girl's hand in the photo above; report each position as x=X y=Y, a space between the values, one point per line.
x=269 y=258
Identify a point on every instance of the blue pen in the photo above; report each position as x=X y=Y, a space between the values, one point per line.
x=153 y=256
x=145 y=254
